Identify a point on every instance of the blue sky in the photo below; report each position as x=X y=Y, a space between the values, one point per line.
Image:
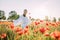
x=37 y=8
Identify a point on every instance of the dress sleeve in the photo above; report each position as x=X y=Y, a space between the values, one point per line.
x=29 y=21
x=17 y=22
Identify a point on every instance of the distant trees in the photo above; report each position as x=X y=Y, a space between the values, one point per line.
x=13 y=15
x=2 y=15
x=47 y=18
x=54 y=19
x=59 y=19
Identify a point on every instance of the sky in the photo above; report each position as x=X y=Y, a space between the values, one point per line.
x=36 y=8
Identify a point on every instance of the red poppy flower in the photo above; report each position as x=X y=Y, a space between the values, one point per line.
x=41 y=20
x=58 y=23
x=42 y=30
x=25 y=30
x=12 y=26
x=47 y=28
x=47 y=24
x=18 y=29
x=36 y=23
x=47 y=34
x=20 y=32
x=59 y=38
x=27 y=27
x=3 y=35
x=55 y=34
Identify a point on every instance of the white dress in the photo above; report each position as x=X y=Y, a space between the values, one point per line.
x=24 y=21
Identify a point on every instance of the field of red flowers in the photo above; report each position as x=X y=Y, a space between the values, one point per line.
x=37 y=30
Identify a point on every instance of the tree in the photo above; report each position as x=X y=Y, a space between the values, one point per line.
x=54 y=19
x=2 y=15
x=47 y=18
x=58 y=19
x=13 y=15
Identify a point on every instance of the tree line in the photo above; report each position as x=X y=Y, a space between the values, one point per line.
x=13 y=16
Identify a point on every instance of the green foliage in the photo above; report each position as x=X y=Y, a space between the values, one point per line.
x=13 y=15
x=10 y=34
x=47 y=38
x=2 y=15
x=58 y=19
x=54 y=19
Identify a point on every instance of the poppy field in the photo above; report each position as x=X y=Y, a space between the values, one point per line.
x=36 y=30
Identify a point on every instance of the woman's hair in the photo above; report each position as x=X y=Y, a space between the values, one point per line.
x=25 y=11
x=24 y=15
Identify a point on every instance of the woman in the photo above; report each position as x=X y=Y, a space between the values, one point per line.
x=23 y=20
